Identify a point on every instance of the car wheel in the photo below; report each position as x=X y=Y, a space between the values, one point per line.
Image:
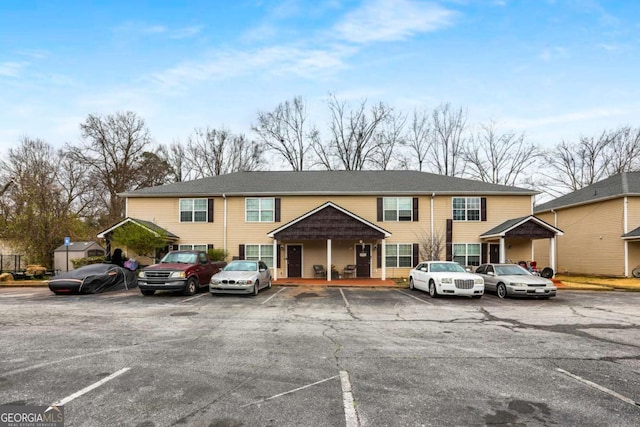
x=147 y=292
x=256 y=288
x=433 y=291
x=501 y=290
x=411 y=286
x=191 y=287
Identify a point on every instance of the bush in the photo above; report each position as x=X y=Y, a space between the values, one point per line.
x=217 y=254
x=81 y=262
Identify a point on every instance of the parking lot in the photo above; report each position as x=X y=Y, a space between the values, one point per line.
x=317 y=356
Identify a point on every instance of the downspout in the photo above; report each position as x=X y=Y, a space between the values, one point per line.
x=625 y=214
x=554 y=254
x=224 y=224
x=433 y=196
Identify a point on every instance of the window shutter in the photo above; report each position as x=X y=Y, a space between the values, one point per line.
x=449 y=240
x=277 y=210
x=415 y=211
x=241 y=252
x=483 y=253
x=483 y=209
x=416 y=254
x=174 y=247
x=279 y=262
x=379 y=256
x=209 y=246
x=380 y=213
x=209 y=210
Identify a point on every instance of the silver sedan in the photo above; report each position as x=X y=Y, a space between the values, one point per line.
x=241 y=277
x=512 y=280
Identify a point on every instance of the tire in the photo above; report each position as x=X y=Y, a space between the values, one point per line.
x=501 y=291
x=256 y=288
x=547 y=272
x=269 y=283
x=147 y=292
x=191 y=287
x=433 y=291
x=411 y=286
x=636 y=272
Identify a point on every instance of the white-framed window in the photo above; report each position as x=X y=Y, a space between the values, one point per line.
x=398 y=209
x=399 y=255
x=259 y=253
x=466 y=253
x=187 y=247
x=193 y=210
x=259 y=209
x=466 y=208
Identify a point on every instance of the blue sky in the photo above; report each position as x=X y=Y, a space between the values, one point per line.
x=554 y=69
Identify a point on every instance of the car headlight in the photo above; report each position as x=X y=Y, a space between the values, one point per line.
x=478 y=281
x=518 y=284
x=177 y=274
x=446 y=280
x=216 y=281
x=141 y=274
x=245 y=282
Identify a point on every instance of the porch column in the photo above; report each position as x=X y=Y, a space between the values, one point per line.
x=328 y=260
x=502 y=250
x=275 y=259
x=383 y=256
x=552 y=254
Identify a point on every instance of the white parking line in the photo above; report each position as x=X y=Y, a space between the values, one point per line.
x=272 y=296
x=192 y=298
x=350 y=415
x=599 y=387
x=346 y=303
x=414 y=297
x=290 y=391
x=88 y=389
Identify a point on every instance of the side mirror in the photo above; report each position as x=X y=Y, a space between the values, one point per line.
x=491 y=273
x=423 y=269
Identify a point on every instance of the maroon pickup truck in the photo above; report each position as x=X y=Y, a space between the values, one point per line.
x=182 y=271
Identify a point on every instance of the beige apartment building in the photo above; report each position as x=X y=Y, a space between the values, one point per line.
x=381 y=222
x=601 y=225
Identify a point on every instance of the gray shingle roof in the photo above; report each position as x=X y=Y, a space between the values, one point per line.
x=632 y=234
x=622 y=184
x=327 y=182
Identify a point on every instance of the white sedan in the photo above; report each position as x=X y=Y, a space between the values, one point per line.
x=445 y=278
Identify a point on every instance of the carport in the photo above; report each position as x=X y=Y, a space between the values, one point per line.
x=528 y=228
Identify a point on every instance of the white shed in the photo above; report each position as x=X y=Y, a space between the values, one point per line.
x=75 y=250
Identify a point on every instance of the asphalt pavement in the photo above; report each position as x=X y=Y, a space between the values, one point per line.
x=318 y=356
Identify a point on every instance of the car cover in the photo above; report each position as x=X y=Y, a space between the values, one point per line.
x=95 y=279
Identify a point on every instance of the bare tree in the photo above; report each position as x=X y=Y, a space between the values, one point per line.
x=211 y=152
x=112 y=149
x=575 y=166
x=623 y=151
x=36 y=207
x=431 y=245
x=284 y=130
x=499 y=157
x=387 y=140
x=418 y=138
x=447 y=140
x=352 y=131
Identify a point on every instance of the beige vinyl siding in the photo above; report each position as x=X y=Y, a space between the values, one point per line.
x=633 y=213
x=591 y=243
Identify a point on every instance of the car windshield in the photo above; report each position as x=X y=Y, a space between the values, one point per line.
x=439 y=267
x=180 y=258
x=511 y=270
x=242 y=266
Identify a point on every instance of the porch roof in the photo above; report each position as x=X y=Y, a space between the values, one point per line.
x=526 y=227
x=328 y=221
x=148 y=225
x=632 y=235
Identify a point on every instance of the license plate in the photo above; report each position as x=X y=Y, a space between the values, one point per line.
x=539 y=291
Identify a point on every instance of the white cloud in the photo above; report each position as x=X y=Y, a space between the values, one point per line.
x=11 y=69
x=390 y=20
x=552 y=53
x=186 y=32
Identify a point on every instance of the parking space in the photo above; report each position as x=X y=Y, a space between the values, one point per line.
x=323 y=356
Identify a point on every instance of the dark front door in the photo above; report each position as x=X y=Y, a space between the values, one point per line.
x=494 y=254
x=363 y=261
x=294 y=261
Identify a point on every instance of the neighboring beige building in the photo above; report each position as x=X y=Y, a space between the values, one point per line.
x=601 y=225
x=383 y=222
